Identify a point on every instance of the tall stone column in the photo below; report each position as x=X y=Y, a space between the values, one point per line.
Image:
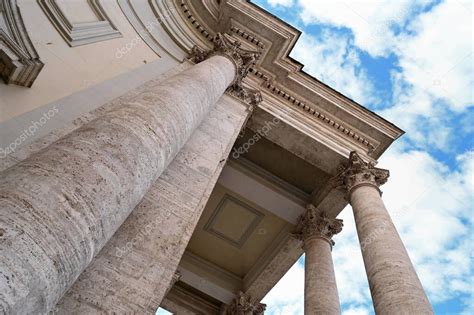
x=393 y=282
x=60 y=206
x=315 y=229
x=244 y=304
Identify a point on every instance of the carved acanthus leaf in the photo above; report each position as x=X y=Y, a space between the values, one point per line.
x=358 y=172
x=315 y=223
x=243 y=60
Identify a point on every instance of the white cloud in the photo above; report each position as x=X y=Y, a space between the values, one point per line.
x=435 y=58
x=372 y=22
x=283 y=3
x=331 y=59
x=431 y=207
x=287 y=297
x=438 y=58
x=431 y=204
x=436 y=61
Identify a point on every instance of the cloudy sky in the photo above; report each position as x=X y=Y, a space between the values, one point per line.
x=412 y=63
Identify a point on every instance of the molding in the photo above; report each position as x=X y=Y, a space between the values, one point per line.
x=259 y=283
x=202 y=30
x=175 y=24
x=364 y=130
x=19 y=61
x=368 y=144
x=247 y=36
x=80 y=33
x=211 y=269
x=260 y=193
x=246 y=234
x=204 y=285
x=270 y=253
x=183 y=300
x=213 y=7
x=282 y=187
x=362 y=141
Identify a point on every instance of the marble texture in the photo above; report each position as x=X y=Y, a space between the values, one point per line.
x=131 y=274
x=393 y=282
x=320 y=288
x=87 y=183
x=316 y=230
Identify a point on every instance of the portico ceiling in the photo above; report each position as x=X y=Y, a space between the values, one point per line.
x=233 y=232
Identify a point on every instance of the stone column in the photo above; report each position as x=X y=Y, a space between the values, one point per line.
x=393 y=282
x=315 y=229
x=244 y=304
x=87 y=183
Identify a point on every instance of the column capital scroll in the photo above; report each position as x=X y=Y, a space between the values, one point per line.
x=315 y=223
x=358 y=173
x=242 y=59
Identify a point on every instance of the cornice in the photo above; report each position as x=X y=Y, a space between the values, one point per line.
x=351 y=133
x=279 y=74
x=247 y=36
x=195 y=23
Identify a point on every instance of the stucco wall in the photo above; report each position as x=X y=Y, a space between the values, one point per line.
x=68 y=69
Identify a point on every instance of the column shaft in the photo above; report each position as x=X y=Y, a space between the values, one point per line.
x=89 y=183
x=133 y=270
x=393 y=282
x=320 y=290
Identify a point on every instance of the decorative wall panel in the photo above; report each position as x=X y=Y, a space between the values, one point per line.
x=80 y=33
x=233 y=221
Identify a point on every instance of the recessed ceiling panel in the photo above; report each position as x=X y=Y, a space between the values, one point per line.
x=233 y=221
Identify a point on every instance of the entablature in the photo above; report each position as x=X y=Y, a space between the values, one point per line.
x=355 y=127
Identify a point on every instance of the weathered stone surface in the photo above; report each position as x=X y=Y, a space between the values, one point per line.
x=393 y=282
x=316 y=230
x=87 y=183
x=149 y=244
x=320 y=287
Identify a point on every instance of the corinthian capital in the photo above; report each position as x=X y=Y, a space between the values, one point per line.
x=243 y=60
x=359 y=173
x=315 y=223
x=245 y=305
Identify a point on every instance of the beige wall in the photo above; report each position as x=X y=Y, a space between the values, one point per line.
x=70 y=69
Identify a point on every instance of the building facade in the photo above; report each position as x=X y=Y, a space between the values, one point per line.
x=170 y=153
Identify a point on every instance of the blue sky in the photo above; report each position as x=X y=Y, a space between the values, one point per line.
x=412 y=63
